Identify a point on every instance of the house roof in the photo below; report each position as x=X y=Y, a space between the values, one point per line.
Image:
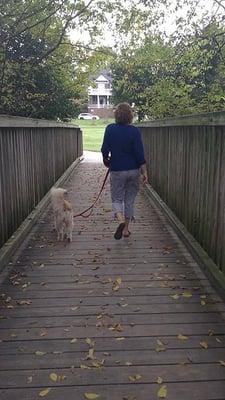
x=103 y=76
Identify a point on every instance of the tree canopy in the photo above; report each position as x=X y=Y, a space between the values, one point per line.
x=44 y=74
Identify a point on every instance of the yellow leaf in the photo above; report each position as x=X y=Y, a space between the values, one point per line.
x=222 y=363
x=44 y=392
x=159 y=380
x=119 y=281
x=91 y=396
x=53 y=377
x=187 y=294
x=73 y=340
x=203 y=303
x=182 y=337
x=160 y=343
x=162 y=392
x=204 y=345
x=119 y=338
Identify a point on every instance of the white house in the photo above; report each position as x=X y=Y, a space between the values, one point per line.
x=100 y=96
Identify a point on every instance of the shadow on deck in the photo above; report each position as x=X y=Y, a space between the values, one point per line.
x=122 y=320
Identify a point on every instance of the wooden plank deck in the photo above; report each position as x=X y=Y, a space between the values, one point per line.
x=107 y=317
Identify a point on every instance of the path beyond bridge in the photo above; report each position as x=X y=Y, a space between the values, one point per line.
x=134 y=319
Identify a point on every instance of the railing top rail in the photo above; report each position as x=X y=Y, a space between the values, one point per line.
x=212 y=118
x=8 y=121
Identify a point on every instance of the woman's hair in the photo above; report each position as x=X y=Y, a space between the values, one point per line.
x=123 y=114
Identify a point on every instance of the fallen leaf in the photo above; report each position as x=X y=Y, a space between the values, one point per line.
x=90 y=342
x=204 y=345
x=82 y=366
x=40 y=353
x=44 y=392
x=73 y=340
x=182 y=337
x=187 y=294
x=162 y=392
x=175 y=296
x=91 y=396
x=53 y=377
x=222 y=363
x=119 y=338
x=135 y=378
x=29 y=379
x=159 y=380
x=90 y=355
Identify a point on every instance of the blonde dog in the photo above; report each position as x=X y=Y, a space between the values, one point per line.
x=63 y=214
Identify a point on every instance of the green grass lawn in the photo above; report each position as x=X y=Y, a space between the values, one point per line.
x=93 y=132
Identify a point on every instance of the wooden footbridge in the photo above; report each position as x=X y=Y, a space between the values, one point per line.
x=135 y=319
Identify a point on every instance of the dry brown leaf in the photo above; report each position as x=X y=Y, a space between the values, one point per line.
x=182 y=337
x=204 y=344
x=82 y=366
x=90 y=355
x=118 y=280
x=135 y=378
x=90 y=342
x=222 y=363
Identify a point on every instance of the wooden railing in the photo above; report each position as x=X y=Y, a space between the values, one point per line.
x=186 y=161
x=33 y=155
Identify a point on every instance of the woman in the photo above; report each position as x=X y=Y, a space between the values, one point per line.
x=123 y=153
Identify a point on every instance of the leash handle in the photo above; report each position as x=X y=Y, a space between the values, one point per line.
x=90 y=209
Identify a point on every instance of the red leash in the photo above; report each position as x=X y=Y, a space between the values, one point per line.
x=90 y=209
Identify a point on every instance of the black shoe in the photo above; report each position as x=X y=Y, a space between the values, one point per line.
x=119 y=232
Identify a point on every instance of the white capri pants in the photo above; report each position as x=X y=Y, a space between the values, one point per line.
x=124 y=187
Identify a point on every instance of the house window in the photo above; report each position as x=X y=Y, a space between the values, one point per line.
x=107 y=85
x=94 y=100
